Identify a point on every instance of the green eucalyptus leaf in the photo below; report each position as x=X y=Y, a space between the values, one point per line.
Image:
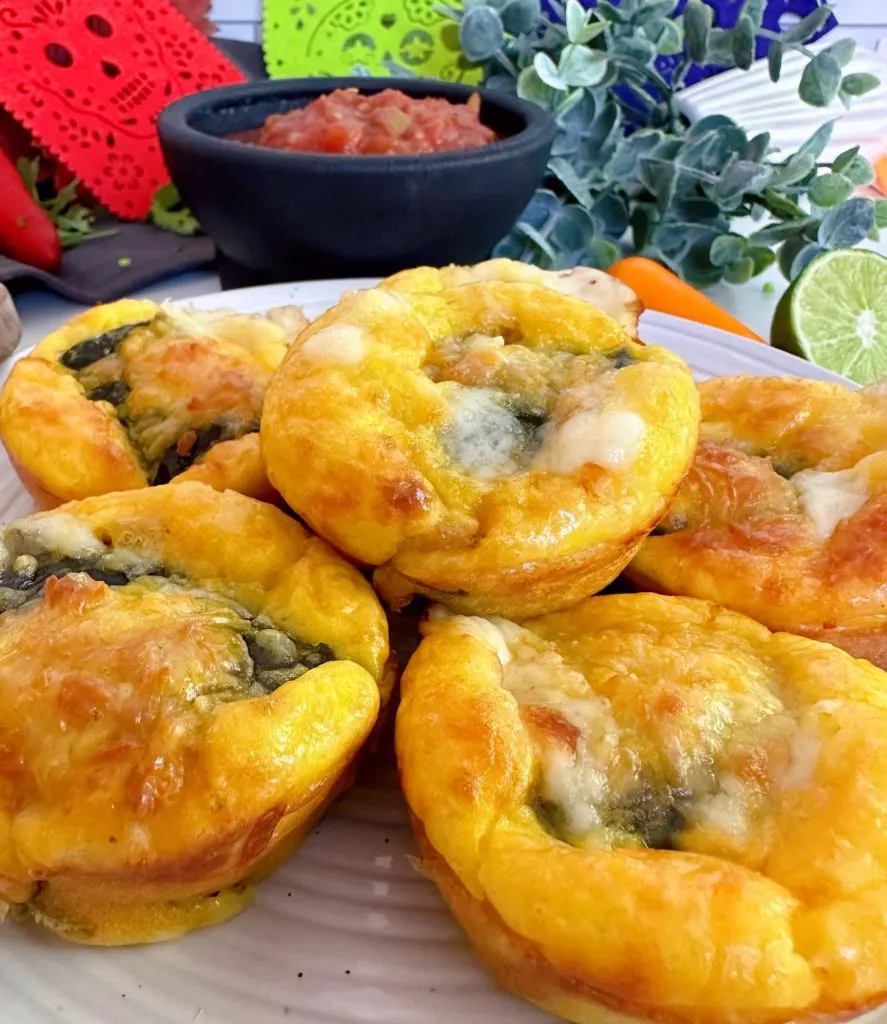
x=629 y=152
x=781 y=206
x=571 y=181
x=758 y=147
x=540 y=208
x=739 y=272
x=788 y=252
x=807 y=26
x=572 y=229
x=538 y=240
x=519 y=16
x=697 y=209
x=580 y=66
x=820 y=80
x=801 y=260
x=744 y=43
x=600 y=253
x=548 y=72
x=727 y=249
x=512 y=247
x=795 y=169
x=676 y=238
x=698 y=20
x=696 y=267
x=830 y=189
x=638 y=48
x=643 y=221
x=754 y=10
x=740 y=177
x=762 y=258
x=815 y=145
x=669 y=38
x=481 y=33
x=575 y=18
x=859 y=171
x=880 y=213
x=530 y=87
x=859 y=84
x=666 y=149
x=611 y=12
x=610 y=214
x=572 y=99
x=709 y=123
x=657 y=176
x=844 y=159
x=772 y=234
x=652 y=10
x=848 y=224
x=774 y=60
x=842 y=50
x=720 y=46
x=592 y=31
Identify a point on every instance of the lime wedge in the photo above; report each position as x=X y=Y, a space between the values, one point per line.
x=835 y=315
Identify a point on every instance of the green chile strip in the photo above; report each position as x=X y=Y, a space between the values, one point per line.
x=275 y=657
x=20 y=585
x=278 y=658
x=172 y=463
x=114 y=391
x=621 y=357
x=91 y=350
x=654 y=815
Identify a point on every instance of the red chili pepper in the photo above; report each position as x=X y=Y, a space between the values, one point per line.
x=27 y=232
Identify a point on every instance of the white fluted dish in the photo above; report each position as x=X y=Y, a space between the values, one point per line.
x=346 y=932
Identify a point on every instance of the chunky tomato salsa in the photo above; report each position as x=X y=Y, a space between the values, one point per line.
x=385 y=122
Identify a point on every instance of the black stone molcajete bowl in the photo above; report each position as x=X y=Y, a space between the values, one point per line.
x=281 y=215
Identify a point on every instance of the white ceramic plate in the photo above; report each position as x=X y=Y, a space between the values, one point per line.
x=346 y=931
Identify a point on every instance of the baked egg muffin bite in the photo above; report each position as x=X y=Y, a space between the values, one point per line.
x=131 y=394
x=608 y=293
x=650 y=808
x=782 y=514
x=186 y=678
x=496 y=446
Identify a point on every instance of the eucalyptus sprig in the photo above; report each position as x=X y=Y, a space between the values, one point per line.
x=625 y=158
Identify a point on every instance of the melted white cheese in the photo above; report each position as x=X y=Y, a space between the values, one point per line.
x=483 y=437
x=344 y=344
x=575 y=785
x=196 y=323
x=829 y=498
x=484 y=630
x=609 y=438
x=290 y=319
x=805 y=751
x=575 y=780
x=59 y=533
x=726 y=810
x=480 y=341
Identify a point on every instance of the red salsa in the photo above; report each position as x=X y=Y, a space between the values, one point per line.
x=385 y=122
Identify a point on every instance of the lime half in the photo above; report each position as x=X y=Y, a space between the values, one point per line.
x=835 y=315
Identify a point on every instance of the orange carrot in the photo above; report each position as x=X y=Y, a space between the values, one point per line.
x=658 y=288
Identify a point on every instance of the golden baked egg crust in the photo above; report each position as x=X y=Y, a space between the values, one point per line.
x=497 y=446
x=651 y=808
x=186 y=677
x=131 y=394
x=608 y=293
x=783 y=513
